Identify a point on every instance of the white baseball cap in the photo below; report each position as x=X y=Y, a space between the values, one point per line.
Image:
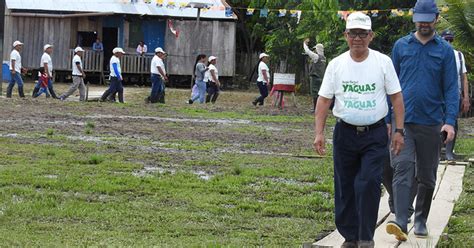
x=47 y=46
x=358 y=20
x=211 y=58
x=16 y=43
x=159 y=50
x=118 y=50
x=263 y=55
x=78 y=49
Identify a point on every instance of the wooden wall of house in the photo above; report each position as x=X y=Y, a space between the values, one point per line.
x=215 y=38
x=35 y=32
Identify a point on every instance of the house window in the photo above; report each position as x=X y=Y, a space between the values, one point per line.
x=86 y=39
x=135 y=35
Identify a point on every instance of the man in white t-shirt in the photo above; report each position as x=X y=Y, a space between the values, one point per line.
x=263 y=79
x=158 y=76
x=359 y=80
x=47 y=63
x=78 y=76
x=463 y=85
x=16 y=70
x=116 y=78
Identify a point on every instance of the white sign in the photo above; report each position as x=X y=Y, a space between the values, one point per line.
x=283 y=78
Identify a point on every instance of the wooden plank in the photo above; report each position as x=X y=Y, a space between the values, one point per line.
x=441 y=208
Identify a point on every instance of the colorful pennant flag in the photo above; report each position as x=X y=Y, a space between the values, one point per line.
x=250 y=11
x=228 y=12
x=281 y=12
x=264 y=12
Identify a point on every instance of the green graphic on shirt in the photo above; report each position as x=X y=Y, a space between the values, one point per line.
x=360 y=105
x=351 y=86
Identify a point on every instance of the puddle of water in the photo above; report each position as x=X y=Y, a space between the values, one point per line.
x=148 y=170
x=9 y=135
x=77 y=123
x=203 y=175
x=51 y=176
x=187 y=120
x=291 y=181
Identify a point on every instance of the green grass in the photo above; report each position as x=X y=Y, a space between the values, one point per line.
x=460 y=228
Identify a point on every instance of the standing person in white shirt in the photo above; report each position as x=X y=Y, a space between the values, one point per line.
x=359 y=80
x=316 y=71
x=158 y=76
x=263 y=80
x=463 y=86
x=47 y=63
x=142 y=48
x=78 y=76
x=200 y=69
x=16 y=70
x=213 y=78
x=116 y=78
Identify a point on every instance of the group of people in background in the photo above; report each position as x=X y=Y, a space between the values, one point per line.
x=397 y=140
x=206 y=80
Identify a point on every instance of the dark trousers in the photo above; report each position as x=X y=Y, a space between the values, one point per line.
x=115 y=87
x=212 y=92
x=263 y=88
x=359 y=158
x=156 y=88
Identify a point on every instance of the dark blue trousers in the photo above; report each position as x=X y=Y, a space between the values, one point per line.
x=156 y=88
x=359 y=158
x=263 y=88
x=115 y=87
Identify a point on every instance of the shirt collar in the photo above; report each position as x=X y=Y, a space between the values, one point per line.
x=436 y=38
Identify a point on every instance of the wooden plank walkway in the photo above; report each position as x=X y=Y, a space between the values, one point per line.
x=448 y=189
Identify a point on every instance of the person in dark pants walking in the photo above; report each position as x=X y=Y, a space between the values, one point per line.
x=115 y=76
x=359 y=80
x=47 y=63
x=213 y=89
x=316 y=70
x=426 y=67
x=16 y=70
x=263 y=80
x=158 y=76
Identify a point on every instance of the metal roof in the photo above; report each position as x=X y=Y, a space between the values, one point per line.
x=139 y=7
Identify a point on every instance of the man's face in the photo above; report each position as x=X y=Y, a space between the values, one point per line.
x=19 y=47
x=49 y=50
x=358 y=39
x=426 y=29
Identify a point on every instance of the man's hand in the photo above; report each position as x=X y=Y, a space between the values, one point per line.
x=306 y=41
x=13 y=72
x=83 y=75
x=166 y=78
x=465 y=105
x=398 y=143
x=450 y=131
x=320 y=144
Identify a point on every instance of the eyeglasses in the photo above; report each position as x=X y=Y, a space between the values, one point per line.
x=361 y=35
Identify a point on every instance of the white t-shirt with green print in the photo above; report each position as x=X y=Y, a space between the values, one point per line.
x=360 y=89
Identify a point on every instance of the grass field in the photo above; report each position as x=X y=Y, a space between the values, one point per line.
x=174 y=175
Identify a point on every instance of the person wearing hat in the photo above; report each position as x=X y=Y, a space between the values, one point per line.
x=316 y=70
x=78 y=76
x=213 y=78
x=47 y=63
x=426 y=67
x=115 y=76
x=263 y=80
x=359 y=81
x=158 y=76
x=463 y=86
x=16 y=70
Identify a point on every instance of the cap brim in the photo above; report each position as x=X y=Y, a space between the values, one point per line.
x=424 y=17
x=359 y=27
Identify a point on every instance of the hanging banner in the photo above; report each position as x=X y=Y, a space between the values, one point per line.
x=172 y=29
x=281 y=12
x=228 y=12
x=250 y=11
x=264 y=12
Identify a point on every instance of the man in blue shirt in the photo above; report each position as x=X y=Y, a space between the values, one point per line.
x=426 y=68
x=98 y=46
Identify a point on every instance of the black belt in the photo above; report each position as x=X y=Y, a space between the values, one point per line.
x=363 y=128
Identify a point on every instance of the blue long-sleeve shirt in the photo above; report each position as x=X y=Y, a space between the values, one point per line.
x=428 y=78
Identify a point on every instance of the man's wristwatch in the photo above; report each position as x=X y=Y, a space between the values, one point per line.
x=400 y=130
